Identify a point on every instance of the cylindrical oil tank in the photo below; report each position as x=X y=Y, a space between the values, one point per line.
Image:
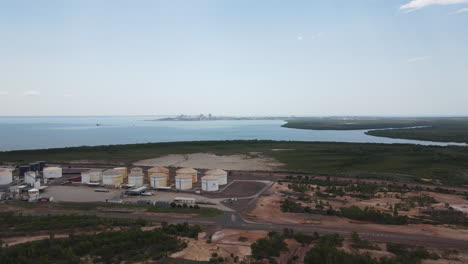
x=183 y=182
x=85 y=177
x=209 y=183
x=30 y=177
x=52 y=172
x=6 y=176
x=95 y=175
x=157 y=181
x=112 y=177
x=158 y=171
x=23 y=169
x=42 y=165
x=188 y=172
x=136 y=169
x=124 y=172
x=220 y=174
x=136 y=178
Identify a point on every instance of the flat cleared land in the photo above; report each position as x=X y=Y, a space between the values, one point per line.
x=213 y=161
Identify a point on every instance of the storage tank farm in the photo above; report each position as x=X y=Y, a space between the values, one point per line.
x=221 y=175
x=209 y=183
x=158 y=177
x=85 y=177
x=112 y=177
x=183 y=182
x=136 y=177
x=188 y=172
x=6 y=176
x=52 y=172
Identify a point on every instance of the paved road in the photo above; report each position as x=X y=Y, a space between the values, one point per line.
x=234 y=220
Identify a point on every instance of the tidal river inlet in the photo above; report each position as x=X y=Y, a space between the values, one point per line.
x=18 y=133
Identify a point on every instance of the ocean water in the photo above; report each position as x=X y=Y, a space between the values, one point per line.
x=17 y=133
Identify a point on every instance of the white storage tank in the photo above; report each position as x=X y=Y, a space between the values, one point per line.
x=30 y=177
x=220 y=174
x=52 y=172
x=157 y=181
x=209 y=183
x=188 y=172
x=95 y=175
x=124 y=172
x=136 y=178
x=158 y=171
x=183 y=182
x=136 y=169
x=6 y=176
x=85 y=177
x=112 y=178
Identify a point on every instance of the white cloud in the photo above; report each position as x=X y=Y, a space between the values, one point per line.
x=68 y=95
x=314 y=36
x=463 y=10
x=2 y=93
x=422 y=58
x=417 y=4
x=300 y=37
x=31 y=93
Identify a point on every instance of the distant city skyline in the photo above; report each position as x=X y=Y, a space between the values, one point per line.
x=234 y=58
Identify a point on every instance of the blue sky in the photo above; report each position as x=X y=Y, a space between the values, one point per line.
x=234 y=57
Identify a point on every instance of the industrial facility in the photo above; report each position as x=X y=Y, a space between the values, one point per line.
x=210 y=183
x=51 y=172
x=135 y=178
x=113 y=177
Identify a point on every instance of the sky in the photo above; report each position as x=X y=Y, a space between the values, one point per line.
x=234 y=57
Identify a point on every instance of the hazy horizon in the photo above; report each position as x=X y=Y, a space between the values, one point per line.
x=234 y=58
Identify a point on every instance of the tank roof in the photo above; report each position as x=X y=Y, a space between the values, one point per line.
x=112 y=172
x=96 y=170
x=136 y=173
x=52 y=168
x=216 y=171
x=186 y=170
x=183 y=177
x=159 y=169
x=209 y=178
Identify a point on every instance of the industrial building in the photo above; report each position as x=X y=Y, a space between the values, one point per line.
x=188 y=172
x=209 y=183
x=6 y=176
x=183 y=182
x=221 y=175
x=93 y=176
x=112 y=177
x=30 y=177
x=52 y=172
x=136 y=177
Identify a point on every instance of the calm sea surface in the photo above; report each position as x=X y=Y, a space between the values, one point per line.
x=51 y=132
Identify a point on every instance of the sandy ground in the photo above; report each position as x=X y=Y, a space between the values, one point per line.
x=224 y=243
x=267 y=208
x=212 y=161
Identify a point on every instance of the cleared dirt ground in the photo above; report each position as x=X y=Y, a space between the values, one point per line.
x=212 y=161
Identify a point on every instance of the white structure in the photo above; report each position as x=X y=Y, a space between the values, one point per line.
x=209 y=183
x=124 y=172
x=91 y=176
x=183 y=182
x=37 y=184
x=157 y=181
x=158 y=171
x=33 y=195
x=220 y=174
x=188 y=172
x=180 y=200
x=112 y=177
x=6 y=176
x=30 y=177
x=52 y=172
x=135 y=178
